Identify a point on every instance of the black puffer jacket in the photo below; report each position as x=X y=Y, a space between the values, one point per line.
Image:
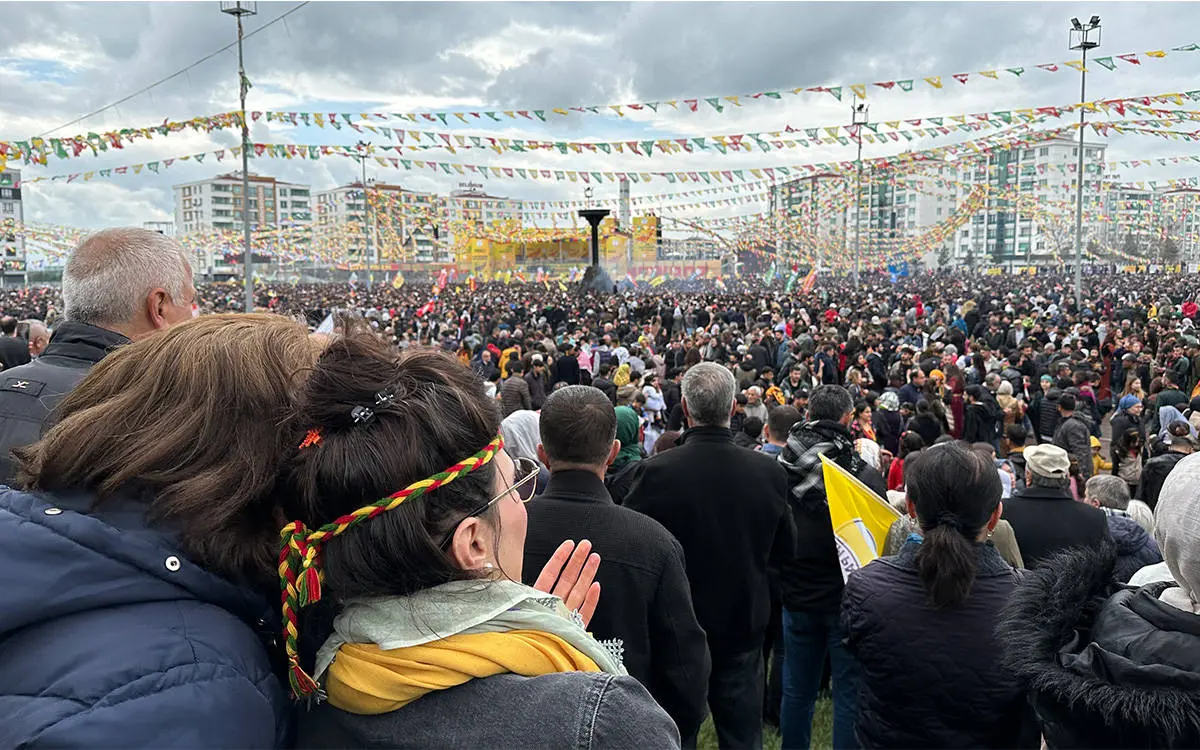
x=931 y=677
x=1106 y=665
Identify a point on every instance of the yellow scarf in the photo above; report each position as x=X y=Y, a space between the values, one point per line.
x=365 y=679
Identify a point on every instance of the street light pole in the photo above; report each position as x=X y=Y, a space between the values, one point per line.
x=858 y=118
x=369 y=248
x=237 y=10
x=1082 y=40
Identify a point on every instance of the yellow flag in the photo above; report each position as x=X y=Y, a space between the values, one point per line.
x=861 y=518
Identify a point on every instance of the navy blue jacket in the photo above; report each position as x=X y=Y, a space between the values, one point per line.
x=110 y=637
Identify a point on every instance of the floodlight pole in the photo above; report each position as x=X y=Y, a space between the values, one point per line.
x=858 y=118
x=237 y=10
x=1083 y=43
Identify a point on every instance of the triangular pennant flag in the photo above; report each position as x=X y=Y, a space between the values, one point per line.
x=935 y=81
x=716 y=104
x=961 y=77
x=1107 y=62
x=859 y=89
x=906 y=85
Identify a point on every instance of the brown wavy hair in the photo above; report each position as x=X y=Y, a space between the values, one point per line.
x=188 y=419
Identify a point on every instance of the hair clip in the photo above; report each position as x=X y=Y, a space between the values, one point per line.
x=362 y=414
x=312 y=438
x=384 y=398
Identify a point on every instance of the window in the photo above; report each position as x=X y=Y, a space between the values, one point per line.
x=939 y=211
x=8 y=208
x=1044 y=151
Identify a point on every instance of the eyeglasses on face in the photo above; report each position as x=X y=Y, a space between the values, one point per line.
x=525 y=472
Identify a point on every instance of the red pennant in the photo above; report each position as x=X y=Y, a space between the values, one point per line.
x=961 y=77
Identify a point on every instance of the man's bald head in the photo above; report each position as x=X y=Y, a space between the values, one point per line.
x=133 y=281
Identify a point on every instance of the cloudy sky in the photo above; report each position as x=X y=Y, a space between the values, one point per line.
x=59 y=61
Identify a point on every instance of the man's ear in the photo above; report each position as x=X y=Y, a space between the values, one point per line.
x=612 y=452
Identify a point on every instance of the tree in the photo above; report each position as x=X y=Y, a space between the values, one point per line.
x=1168 y=251
x=944 y=256
x=971 y=259
x=1130 y=245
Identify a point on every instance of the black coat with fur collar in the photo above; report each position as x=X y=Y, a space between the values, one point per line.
x=1106 y=665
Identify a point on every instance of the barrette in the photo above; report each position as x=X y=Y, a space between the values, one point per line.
x=362 y=414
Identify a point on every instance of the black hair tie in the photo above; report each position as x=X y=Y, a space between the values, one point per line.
x=949 y=520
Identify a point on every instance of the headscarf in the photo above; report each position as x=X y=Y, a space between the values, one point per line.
x=521 y=435
x=627 y=432
x=1177 y=531
x=1128 y=402
x=889 y=401
x=1168 y=415
x=622 y=376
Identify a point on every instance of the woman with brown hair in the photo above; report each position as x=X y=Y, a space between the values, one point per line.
x=136 y=569
x=407 y=533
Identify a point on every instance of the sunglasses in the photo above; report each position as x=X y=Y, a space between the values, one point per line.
x=526 y=471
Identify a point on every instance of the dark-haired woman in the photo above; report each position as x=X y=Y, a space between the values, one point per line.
x=920 y=623
x=408 y=531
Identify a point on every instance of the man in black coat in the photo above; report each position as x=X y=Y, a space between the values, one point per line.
x=727 y=507
x=646 y=602
x=119 y=285
x=14 y=351
x=1044 y=516
x=811 y=582
x=1155 y=472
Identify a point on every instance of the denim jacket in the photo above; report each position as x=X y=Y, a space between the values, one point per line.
x=586 y=710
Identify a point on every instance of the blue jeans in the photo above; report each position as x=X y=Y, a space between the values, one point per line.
x=807 y=638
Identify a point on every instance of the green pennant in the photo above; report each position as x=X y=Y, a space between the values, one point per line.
x=700 y=142
x=153 y=167
x=476 y=141
x=492 y=115
x=521 y=172
x=105 y=172
x=782 y=170
x=561 y=146
x=1016 y=71
x=906 y=135
x=843 y=140
x=407 y=163
x=596 y=175
x=59 y=150
x=837 y=92
x=905 y=85
x=704 y=176
x=671 y=177
x=1193 y=95
x=1107 y=62
x=719 y=146
x=441 y=116
x=648 y=147
x=1192 y=47
x=936 y=120
x=605 y=147
x=541 y=114
x=761 y=143
x=1005 y=116
x=740 y=174
x=812 y=133
x=872 y=126
x=652 y=105
x=772 y=94
x=517 y=146
x=445 y=167
x=593 y=110
x=199 y=157
x=716 y=103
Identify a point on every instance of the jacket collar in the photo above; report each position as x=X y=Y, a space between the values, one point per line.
x=988 y=564
x=706 y=435
x=1043 y=493
x=82 y=341
x=576 y=484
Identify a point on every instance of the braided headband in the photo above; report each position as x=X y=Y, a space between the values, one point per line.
x=300 y=554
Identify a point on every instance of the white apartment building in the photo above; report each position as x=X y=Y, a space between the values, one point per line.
x=470 y=208
x=401 y=231
x=1132 y=214
x=162 y=227
x=216 y=204
x=12 y=213
x=893 y=210
x=1003 y=233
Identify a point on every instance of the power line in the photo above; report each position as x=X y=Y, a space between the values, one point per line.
x=176 y=74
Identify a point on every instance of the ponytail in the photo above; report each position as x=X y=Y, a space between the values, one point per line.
x=954 y=490
x=946 y=565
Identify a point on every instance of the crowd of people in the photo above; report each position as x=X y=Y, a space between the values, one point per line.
x=537 y=515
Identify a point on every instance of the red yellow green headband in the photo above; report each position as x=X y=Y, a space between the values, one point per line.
x=300 y=554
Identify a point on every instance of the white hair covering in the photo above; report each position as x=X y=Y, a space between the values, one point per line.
x=521 y=435
x=1177 y=531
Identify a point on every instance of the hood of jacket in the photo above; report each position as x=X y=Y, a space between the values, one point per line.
x=56 y=562
x=1101 y=657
